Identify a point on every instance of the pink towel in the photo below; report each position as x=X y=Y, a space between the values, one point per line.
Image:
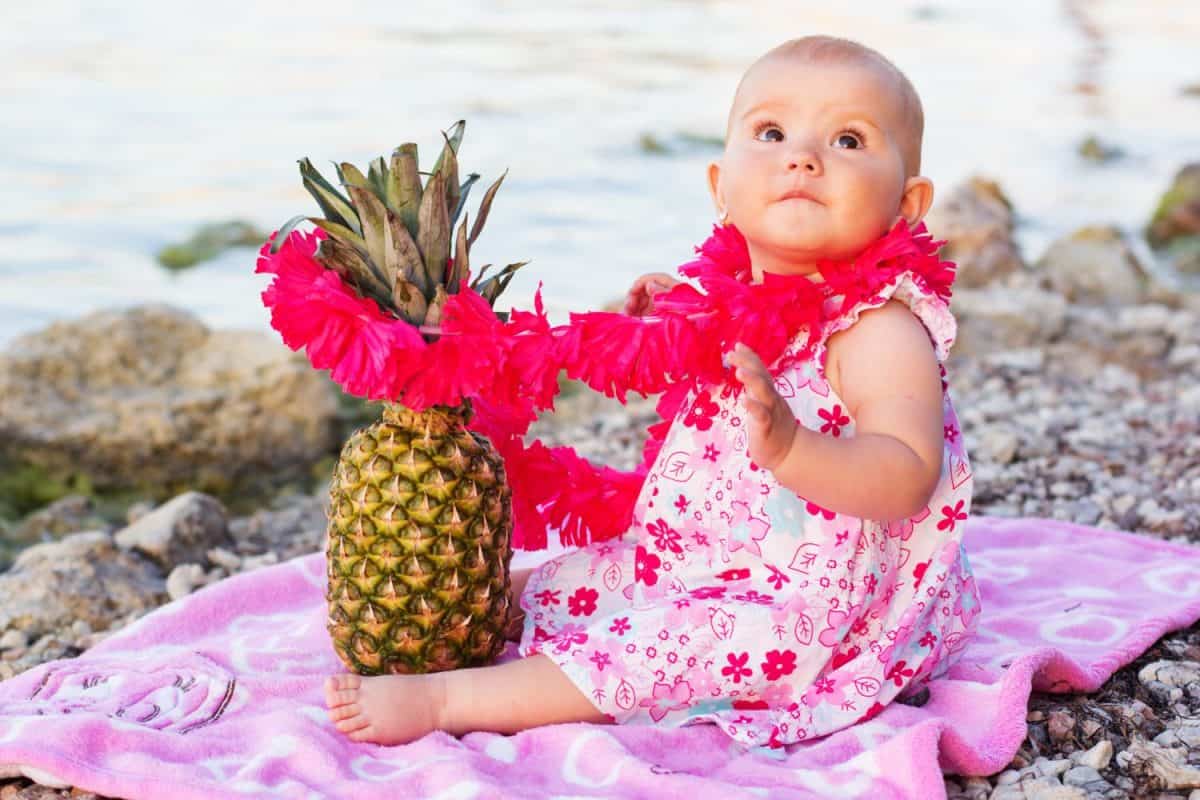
x=220 y=695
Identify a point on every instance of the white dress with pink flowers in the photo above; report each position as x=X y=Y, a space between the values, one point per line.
x=732 y=600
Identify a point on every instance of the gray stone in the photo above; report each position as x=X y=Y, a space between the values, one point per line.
x=150 y=398
x=83 y=576
x=1093 y=265
x=976 y=220
x=180 y=531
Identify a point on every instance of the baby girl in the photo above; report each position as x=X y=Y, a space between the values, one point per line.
x=794 y=561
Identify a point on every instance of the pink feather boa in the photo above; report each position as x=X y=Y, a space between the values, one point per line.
x=509 y=370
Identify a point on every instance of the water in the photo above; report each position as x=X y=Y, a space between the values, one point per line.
x=127 y=125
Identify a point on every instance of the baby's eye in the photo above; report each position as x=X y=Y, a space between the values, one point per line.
x=854 y=138
x=767 y=125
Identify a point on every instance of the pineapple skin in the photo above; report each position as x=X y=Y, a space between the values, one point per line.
x=418 y=545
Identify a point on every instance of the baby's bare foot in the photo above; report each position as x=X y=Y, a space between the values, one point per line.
x=385 y=709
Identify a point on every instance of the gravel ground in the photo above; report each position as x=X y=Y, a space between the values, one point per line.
x=1075 y=431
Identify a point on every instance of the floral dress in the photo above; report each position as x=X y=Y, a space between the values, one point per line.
x=734 y=601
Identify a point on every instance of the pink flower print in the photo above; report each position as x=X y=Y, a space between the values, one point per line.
x=645 y=565
x=604 y=659
x=844 y=657
x=711 y=453
x=752 y=596
x=928 y=640
x=950 y=433
x=708 y=592
x=813 y=509
x=701 y=413
x=952 y=516
x=665 y=537
x=778 y=664
x=824 y=686
x=919 y=573
x=620 y=626
x=777 y=695
x=568 y=636
x=666 y=699
x=548 y=597
x=684 y=613
x=835 y=619
x=740 y=574
x=746 y=530
x=870 y=582
x=704 y=682
x=835 y=420
x=681 y=504
x=813 y=380
x=583 y=602
x=737 y=669
x=899 y=672
x=900 y=529
x=777 y=579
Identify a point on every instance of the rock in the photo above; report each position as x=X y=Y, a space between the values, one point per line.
x=150 y=398
x=69 y=514
x=82 y=577
x=180 y=531
x=209 y=242
x=1092 y=149
x=1097 y=757
x=1178 y=211
x=1093 y=265
x=976 y=221
x=1081 y=776
x=1172 y=673
x=221 y=557
x=999 y=318
x=184 y=579
x=13 y=639
x=1060 y=726
x=1168 y=766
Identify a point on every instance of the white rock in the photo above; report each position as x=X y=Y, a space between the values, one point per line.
x=13 y=639
x=184 y=579
x=1097 y=757
x=1172 y=673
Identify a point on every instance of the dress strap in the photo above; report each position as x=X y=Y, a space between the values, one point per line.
x=910 y=289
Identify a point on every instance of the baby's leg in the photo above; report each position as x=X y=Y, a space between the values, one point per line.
x=517 y=579
x=505 y=698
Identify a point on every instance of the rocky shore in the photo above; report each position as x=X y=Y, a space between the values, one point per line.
x=1077 y=380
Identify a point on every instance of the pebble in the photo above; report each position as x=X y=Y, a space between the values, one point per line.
x=12 y=639
x=1097 y=756
x=1082 y=775
x=1170 y=673
x=183 y=580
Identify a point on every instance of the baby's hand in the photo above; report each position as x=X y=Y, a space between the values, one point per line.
x=772 y=424
x=640 y=299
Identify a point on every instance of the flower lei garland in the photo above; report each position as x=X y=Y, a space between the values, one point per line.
x=509 y=370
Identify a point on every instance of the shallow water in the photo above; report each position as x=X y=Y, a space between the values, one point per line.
x=127 y=125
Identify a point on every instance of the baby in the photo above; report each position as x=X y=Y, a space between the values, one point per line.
x=801 y=565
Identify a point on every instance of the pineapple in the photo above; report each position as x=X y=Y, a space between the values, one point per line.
x=419 y=535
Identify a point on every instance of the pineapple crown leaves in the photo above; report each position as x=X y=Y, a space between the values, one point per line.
x=393 y=239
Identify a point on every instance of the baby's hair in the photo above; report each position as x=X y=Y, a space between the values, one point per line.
x=834 y=50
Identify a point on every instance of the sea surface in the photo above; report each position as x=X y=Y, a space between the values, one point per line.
x=126 y=125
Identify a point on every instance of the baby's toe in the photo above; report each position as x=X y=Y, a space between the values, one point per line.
x=352 y=725
x=341 y=689
x=338 y=713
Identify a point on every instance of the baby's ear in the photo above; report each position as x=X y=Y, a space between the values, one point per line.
x=917 y=198
x=714 y=185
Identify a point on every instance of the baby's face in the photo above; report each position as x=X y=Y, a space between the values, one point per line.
x=835 y=132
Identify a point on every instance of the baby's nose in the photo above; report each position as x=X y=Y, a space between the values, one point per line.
x=807 y=161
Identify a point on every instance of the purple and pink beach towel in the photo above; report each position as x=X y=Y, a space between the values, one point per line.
x=219 y=695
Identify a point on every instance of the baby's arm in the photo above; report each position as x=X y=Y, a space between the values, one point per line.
x=640 y=300
x=890 y=382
